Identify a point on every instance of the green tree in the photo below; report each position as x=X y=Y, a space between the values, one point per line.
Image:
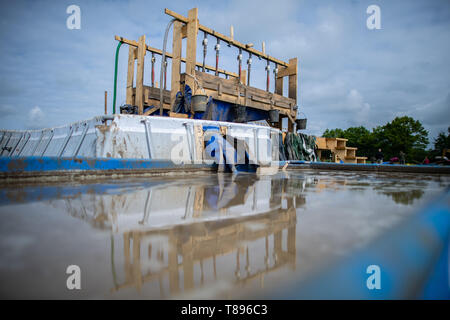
x=358 y=137
x=333 y=133
x=402 y=134
x=442 y=142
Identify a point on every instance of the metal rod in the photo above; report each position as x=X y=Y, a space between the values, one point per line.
x=190 y=147
x=275 y=72
x=217 y=48
x=37 y=144
x=249 y=63
x=226 y=38
x=169 y=55
x=23 y=146
x=165 y=73
x=48 y=142
x=148 y=137
x=268 y=75
x=239 y=57
x=66 y=140
x=6 y=144
x=17 y=143
x=205 y=48
x=153 y=69
x=83 y=135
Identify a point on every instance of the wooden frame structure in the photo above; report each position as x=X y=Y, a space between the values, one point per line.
x=231 y=90
x=339 y=150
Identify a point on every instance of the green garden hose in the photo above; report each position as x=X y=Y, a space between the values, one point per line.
x=115 y=76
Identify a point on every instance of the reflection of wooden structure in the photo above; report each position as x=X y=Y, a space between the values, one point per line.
x=195 y=244
x=233 y=89
x=339 y=150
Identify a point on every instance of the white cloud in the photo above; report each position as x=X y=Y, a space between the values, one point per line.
x=36 y=118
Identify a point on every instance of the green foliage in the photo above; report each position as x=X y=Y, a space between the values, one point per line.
x=442 y=142
x=401 y=134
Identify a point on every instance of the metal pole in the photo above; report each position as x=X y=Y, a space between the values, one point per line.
x=205 y=46
x=275 y=72
x=249 y=63
x=268 y=75
x=153 y=69
x=239 y=57
x=217 y=48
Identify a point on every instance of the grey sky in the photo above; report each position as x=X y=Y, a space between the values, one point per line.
x=349 y=75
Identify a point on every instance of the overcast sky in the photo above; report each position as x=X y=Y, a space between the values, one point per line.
x=348 y=75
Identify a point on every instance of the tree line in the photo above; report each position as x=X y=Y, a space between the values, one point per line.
x=401 y=134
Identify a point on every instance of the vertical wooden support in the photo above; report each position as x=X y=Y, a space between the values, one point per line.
x=130 y=74
x=188 y=265
x=293 y=79
x=292 y=86
x=141 y=50
x=279 y=86
x=176 y=61
x=173 y=264
x=191 y=47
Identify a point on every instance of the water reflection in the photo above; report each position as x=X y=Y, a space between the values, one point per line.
x=175 y=237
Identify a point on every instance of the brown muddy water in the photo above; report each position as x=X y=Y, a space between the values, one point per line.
x=197 y=236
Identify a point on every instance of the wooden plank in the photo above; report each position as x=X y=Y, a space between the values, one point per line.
x=227 y=39
x=191 y=47
x=130 y=75
x=176 y=61
x=293 y=79
x=287 y=71
x=140 y=75
x=177 y=115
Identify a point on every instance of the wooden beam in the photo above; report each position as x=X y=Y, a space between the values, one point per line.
x=191 y=48
x=176 y=61
x=140 y=75
x=227 y=39
x=287 y=71
x=130 y=75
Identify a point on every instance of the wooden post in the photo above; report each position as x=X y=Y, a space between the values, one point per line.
x=176 y=61
x=130 y=75
x=106 y=102
x=279 y=86
x=141 y=50
x=191 y=47
x=292 y=87
x=293 y=79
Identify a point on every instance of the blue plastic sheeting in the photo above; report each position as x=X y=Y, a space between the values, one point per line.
x=413 y=260
x=37 y=164
x=224 y=111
